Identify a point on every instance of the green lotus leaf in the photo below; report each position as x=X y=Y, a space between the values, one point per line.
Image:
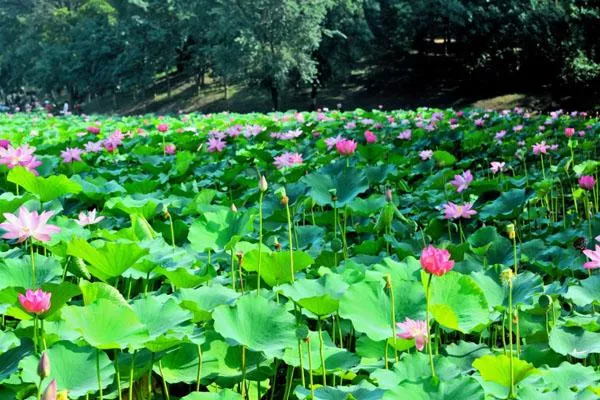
x=275 y=266
x=319 y=296
x=257 y=323
x=46 y=188
x=71 y=367
x=107 y=325
x=496 y=368
x=109 y=260
x=204 y=300
x=457 y=302
x=219 y=228
x=574 y=341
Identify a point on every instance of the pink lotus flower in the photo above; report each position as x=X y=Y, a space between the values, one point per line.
x=569 y=132
x=497 y=166
x=332 y=141
x=479 y=122
x=346 y=147
x=215 y=144
x=426 y=154
x=162 y=128
x=500 y=135
x=93 y=147
x=50 y=392
x=288 y=159
x=436 y=261
x=461 y=182
x=170 y=149
x=93 y=129
x=21 y=156
x=35 y=302
x=370 y=137
x=540 y=148
x=587 y=182
x=28 y=224
x=88 y=218
x=594 y=256
x=412 y=329
x=4 y=143
x=453 y=211
x=69 y=155
x=405 y=135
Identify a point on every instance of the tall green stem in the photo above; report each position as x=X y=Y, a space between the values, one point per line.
x=428 y=327
x=310 y=374
x=131 y=369
x=32 y=265
x=510 y=340
x=118 y=375
x=290 y=238
x=260 y=238
x=199 y=373
x=98 y=373
x=322 y=352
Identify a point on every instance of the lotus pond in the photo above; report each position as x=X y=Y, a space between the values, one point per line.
x=426 y=254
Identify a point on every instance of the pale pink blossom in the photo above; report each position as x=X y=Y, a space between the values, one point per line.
x=461 y=182
x=426 y=154
x=411 y=329
x=497 y=166
x=594 y=256
x=454 y=211
x=88 y=218
x=71 y=154
x=28 y=225
x=215 y=144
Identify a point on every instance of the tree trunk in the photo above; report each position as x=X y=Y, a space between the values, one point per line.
x=313 y=96
x=226 y=94
x=168 y=85
x=275 y=97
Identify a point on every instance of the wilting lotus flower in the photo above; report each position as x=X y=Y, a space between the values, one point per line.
x=594 y=256
x=462 y=181
x=497 y=166
x=436 y=261
x=170 y=149
x=370 y=137
x=412 y=329
x=35 y=302
x=162 y=127
x=346 y=147
x=569 y=132
x=28 y=224
x=69 y=155
x=88 y=218
x=587 y=182
x=215 y=145
x=453 y=211
x=426 y=154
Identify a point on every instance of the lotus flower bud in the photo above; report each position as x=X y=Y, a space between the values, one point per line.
x=234 y=208
x=388 y=195
x=50 y=392
x=43 y=369
x=510 y=230
x=507 y=276
x=262 y=184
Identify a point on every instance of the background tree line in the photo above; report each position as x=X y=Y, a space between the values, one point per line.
x=96 y=47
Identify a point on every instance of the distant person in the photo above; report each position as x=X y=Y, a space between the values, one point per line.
x=65 y=110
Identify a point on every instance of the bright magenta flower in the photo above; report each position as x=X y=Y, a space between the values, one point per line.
x=346 y=147
x=453 y=211
x=162 y=127
x=412 y=329
x=28 y=224
x=462 y=181
x=93 y=129
x=35 y=302
x=370 y=137
x=594 y=256
x=436 y=261
x=587 y=182
x=170 y=149
x=69 y=155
